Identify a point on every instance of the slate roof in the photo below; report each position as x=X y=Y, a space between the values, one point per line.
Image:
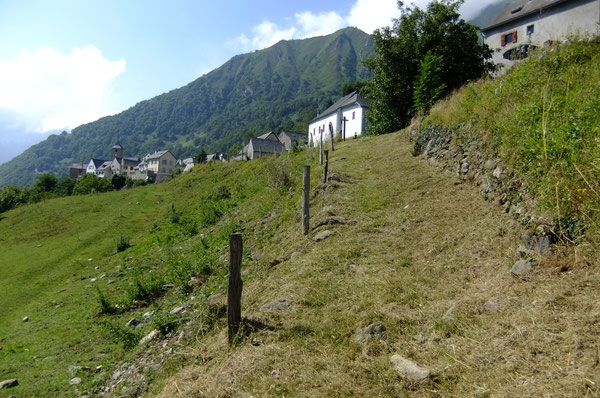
x=266 y=146
x=264 y=136
x=295 y=136
x=520 y=9
x=98 y=162
x=352 y=98
x=156 y=155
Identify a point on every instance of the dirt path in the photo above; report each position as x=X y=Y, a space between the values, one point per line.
x=430 y=259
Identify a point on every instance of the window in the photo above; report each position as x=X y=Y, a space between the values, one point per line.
x=353 y=115
x=164 y=162
x=509 y=38
x=530 y=30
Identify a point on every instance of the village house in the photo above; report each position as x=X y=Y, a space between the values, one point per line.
x=292 y=140
x=527 y=24
x=77 y=169
x=347 y=117
x=155 y=167
x=269 y=144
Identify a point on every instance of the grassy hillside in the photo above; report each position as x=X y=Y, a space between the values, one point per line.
x=411 y=247
x=542 y=119
x=282 y=86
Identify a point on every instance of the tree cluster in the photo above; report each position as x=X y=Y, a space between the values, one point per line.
x=425 y=55
x=47 y=186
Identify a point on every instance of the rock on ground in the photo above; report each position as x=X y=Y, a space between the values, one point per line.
x=522 y=267
x=373 y=331
x=133 y=322
x=149 y=337
x=322 y=236
x=408 y=369
x=9 y=383
x=74 y=381
x=176 y=310
x=279 y=304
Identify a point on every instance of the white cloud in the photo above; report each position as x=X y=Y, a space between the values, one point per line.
x=368 y=15
x=365 y=15
x=320 y=24
x=46 y=90
x=265 y=35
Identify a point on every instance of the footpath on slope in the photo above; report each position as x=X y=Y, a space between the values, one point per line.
x=424 y=256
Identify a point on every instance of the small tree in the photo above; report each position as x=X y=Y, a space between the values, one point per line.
x=45 y=183
x=429 y=86
x=118 y=181
x=65 y=186
x=201 y=156
x=456 y=56
x=90 y=183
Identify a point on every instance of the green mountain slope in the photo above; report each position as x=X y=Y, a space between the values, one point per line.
x=278 y=87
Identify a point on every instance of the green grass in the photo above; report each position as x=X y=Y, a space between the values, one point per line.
x=50 y=252
x=542 y=119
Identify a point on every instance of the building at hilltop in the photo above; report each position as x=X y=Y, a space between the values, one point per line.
x=527 y=24
x=347 y=117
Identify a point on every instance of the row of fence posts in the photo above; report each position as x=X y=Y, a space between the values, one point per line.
x=236 y=247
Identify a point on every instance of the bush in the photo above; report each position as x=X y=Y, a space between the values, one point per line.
x=174 y=215
x=165 y=323
x=106 y=307
x=122 y=243
x=145 y=289
x=126 y=335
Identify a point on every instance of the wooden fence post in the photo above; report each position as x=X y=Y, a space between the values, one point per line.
x=321 y=149
x=234 y=290
x=325 y=168
x=331 y=135
x=306 y=200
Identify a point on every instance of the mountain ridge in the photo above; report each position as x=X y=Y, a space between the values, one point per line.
x=278 y=87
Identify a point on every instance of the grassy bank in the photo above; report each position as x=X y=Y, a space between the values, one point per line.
x=542 y=119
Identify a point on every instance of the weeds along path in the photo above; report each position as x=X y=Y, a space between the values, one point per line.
x=429 y=258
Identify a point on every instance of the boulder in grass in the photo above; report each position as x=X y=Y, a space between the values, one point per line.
x=9 y=383
x=409 y=370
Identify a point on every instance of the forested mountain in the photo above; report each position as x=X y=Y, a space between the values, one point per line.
x=282 y=86
x=485 y=16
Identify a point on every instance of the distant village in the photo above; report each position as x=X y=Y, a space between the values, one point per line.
x=345 y=118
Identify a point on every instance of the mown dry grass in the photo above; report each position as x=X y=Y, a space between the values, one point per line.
x=423 y=254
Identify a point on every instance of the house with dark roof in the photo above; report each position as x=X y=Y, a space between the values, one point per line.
x=292 y=140
x=347 y=117
x=526 y=24
x=77 y=170
x=259 y=147
x=94 y=165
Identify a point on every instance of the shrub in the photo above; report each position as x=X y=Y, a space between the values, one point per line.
x=106 y=307
x=145 y=289
x=174 y=215
x=123 y=243
x=125 y=335
x=165 y=323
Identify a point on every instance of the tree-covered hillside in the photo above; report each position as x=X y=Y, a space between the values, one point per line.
x=279 y=87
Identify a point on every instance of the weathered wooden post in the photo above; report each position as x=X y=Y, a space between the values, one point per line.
x=325 y=168
x=306 y=200
x=234 y=290
x=321 y=149
x=331 y=135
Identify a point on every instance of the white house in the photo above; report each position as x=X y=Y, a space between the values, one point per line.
x=347 y=117
x=536 y=23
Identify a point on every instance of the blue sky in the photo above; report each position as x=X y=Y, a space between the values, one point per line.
x=67 y=62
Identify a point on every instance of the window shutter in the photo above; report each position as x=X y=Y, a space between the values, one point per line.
x=515 y=36
x=503 y=38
